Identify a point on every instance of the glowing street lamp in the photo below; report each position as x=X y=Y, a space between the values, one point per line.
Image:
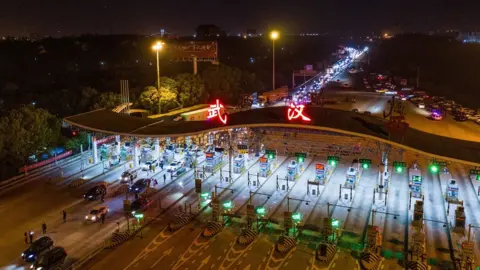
x=274 y=35
x=157 y=47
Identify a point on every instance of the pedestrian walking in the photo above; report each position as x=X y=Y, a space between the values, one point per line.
x=161 y=165
x=164 y=178
x=155 y=182
x=64 y=213
x=44 y=228
x=103 y=218
x=30 y=235
x=153 y=168
x=26 y=237
x=150 y=168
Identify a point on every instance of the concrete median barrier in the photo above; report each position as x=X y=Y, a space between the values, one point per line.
x=77 y=182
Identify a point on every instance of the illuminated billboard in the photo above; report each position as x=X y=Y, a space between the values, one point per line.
x=203 y=50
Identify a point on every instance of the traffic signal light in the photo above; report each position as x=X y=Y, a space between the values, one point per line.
x=260 y=211
x=297 y=216
x=365 y=163
x=335 y=223
x=433 y=168
x=333 y=160
x=227 y=205
x=398 y=169
x=270 y=156
x=300 y=159
x=478 y=177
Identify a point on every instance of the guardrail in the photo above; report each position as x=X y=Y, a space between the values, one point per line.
x=39 y=172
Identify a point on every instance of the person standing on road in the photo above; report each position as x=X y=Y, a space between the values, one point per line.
x=64 y=213
x=103 y=218
x=26 y=237
x=164 y=178
x=44 y=228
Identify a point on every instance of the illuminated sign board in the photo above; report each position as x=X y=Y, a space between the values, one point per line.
x=296 y=112
x=215 y=110
x=319 y=166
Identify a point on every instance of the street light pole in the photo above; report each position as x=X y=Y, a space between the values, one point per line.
x=273 y=36
x=273 y=64
x=158 y=47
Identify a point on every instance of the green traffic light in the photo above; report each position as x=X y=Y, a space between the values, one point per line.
x=365 y=165
x=261 y=211
x=434 y=168
x=300 y=159
x=270 y=156
x=399 y=169
x=335 y=223
x=297 y=216
x=227 y=205
x=478 y=177
x=333 y=163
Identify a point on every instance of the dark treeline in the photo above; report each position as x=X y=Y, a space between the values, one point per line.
x=447 y=67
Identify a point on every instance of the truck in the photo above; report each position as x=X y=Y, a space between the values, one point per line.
x=273 y=96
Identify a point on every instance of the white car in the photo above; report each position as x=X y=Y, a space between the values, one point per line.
x=174 y=166
x=96 y=213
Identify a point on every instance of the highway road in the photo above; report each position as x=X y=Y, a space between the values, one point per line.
x=75 y=235
x=419 y=119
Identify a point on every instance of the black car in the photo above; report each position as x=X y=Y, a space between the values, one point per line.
x=139 y=205
x=95 y=192
x=53 y=258
x=139 y=185
x=37 y=248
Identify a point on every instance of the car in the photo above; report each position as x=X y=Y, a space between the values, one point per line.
x=129 y=175
x=139 y=185
x=174 y=166
x=96 y=213
x=146 y=165
x=355 y=110
x=95 y=192
x=140 y=204
x=421 y=105
x=53 y=259
x=37 y=248
x=367 y=113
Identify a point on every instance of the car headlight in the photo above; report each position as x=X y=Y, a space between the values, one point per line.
x=31 y=266
x=86 y=217
x=30 y=256
x=93 y=218
x=39 y=268
x=90 y=196
x=23 y=254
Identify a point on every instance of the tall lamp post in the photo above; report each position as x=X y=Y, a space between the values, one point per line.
x=273 y=36
x=157 y=47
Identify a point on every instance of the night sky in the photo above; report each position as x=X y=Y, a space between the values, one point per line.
x=179 y=17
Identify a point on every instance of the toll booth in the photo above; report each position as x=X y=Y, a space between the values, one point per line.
x=292 y=170
x=352 y=177
x=418 y=214
x=239 y=164
x=213 y=160
x=265 y=166
x=459 y=220
x=416 y=185
x=320 y=173
x=451 y=193
x=168 y=156
x=188 y=159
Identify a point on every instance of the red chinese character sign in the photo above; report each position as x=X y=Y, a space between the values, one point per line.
x=296 y=112
x=215 y=110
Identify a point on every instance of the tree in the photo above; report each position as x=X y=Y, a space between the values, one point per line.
x=28 y=130
x=86 y=99
x=222 y=82
x=149 y=99
x=108 y=100
x=191 y=89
